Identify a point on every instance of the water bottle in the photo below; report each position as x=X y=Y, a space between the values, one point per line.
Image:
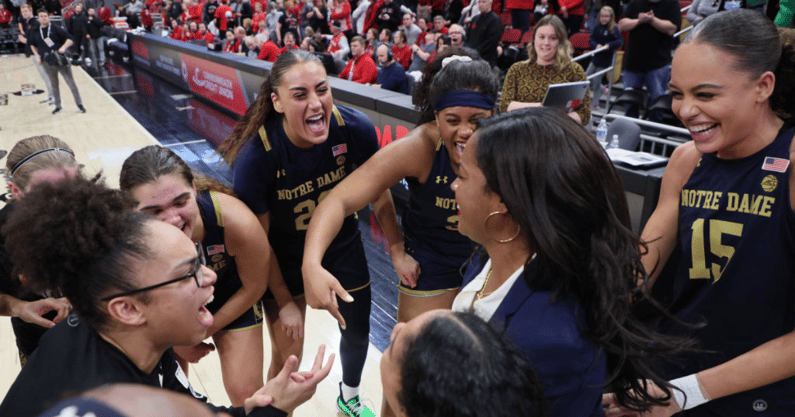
x=613 y=143
x=601 y=133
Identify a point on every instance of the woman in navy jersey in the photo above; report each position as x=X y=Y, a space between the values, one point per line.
x=728 y=196
x=288 y=151
x=428 y=263
x=236 y=249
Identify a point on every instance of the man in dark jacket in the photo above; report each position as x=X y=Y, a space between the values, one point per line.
x=95 y=49
x=46 y=42
x=485 y=32
x=77 y=25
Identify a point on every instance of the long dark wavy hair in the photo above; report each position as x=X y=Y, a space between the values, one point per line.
x=459 y=366
x=563 y=191
x=262 y=109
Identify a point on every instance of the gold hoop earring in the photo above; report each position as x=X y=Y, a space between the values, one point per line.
x=518 y=228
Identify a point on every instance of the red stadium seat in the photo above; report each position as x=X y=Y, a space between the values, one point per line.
x=579 y=41
x=527 y=37
x=505 y=18
x=511 y=36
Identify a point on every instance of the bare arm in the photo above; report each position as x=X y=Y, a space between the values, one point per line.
x=626 y=24
x=665 y=26
x=248 y=244
x=660 y=232
x=387 y=167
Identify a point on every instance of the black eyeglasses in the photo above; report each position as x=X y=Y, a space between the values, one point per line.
x=195 y=273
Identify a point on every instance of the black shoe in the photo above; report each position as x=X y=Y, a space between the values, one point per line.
x=57 y=110
x=81 y=108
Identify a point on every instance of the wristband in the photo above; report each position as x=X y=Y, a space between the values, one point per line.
x=690 y=395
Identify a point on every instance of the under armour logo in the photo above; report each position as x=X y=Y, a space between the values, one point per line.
x=281 y=173
x=440 y=179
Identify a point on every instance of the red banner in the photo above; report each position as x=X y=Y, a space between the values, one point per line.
x=216 y=82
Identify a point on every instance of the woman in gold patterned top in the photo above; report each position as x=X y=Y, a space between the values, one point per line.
x=549 y=63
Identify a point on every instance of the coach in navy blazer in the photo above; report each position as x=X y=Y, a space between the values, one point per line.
x=549 y=334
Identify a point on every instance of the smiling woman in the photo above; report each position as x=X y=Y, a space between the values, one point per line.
x=138 y=287
x=732 y=87
x=550 y=63
x=164 y=186
x=282 y=150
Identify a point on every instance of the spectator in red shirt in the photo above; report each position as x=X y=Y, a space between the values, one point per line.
x=176 y=31
x=338 y=46
x=105 y=14
x=203 y=34
x=369 y=17
x=194 y=31
x=259 y=16
x=361 y=69
x=341 y=10
x=193 y=11
x=232 y=44
x=438 y=25
x=224 y=15
x=5 y=17
x=289 y=42
x=401 y=52
x=268 y=50
x=571 y=12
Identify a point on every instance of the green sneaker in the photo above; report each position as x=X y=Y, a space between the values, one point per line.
x=355 y=407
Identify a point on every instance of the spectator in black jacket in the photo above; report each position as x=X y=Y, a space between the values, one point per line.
x=77 y=25
x=95 y=52
x=388 y=15
x=485 y=32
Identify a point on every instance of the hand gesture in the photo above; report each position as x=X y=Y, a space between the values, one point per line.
x=322 y=289
x=32 y=312
x=292 y=320
x=407 y=268
x=289 y=388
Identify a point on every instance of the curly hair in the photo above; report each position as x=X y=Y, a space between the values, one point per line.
x=458 y=366
x=52 y=153
x=475 y=76
x=262 y=109
x=154 y=161
x=79 y=237
x=563 y=191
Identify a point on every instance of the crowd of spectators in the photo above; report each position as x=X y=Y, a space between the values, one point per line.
x=413 y=31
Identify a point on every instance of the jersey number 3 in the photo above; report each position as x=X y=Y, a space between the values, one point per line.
x=717 y=228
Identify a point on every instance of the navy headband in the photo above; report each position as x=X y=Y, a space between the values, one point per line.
x=35 y=154
x=466 y=98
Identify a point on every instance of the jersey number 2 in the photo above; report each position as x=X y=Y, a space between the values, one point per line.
x=305 y=209
x=717 y=228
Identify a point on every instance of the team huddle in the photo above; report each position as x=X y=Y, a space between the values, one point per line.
x=522 y=288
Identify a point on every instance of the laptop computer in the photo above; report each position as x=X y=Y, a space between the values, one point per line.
x=566 y=96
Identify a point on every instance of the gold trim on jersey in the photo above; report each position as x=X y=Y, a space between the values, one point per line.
x=337 y=116
x=263 y=135
x=439 y=144
x=428 y=293
x=359 y=288
x=219 y=214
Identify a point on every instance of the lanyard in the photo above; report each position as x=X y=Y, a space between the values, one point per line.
x=48 y=32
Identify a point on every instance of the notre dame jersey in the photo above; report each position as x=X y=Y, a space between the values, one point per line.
x=215 y=253
x=738 y=268
x=274 y=176
x=430 y=223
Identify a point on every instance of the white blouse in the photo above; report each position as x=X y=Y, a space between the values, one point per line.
x=484 y=307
